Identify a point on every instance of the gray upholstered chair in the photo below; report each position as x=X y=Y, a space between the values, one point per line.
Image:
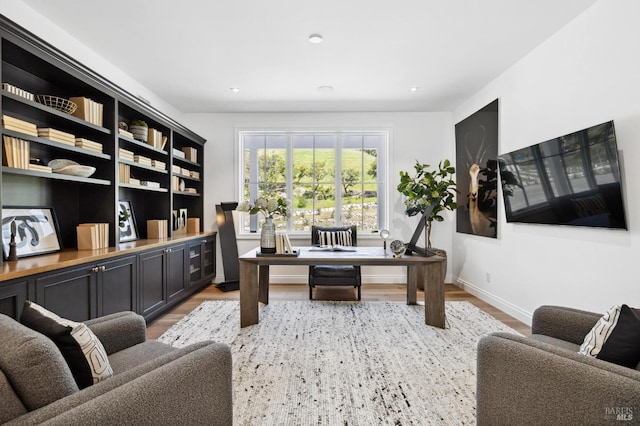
x=542 y=379
x=153 y=383
x=334 y=275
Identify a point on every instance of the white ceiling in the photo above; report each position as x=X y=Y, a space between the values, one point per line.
x=191 y=52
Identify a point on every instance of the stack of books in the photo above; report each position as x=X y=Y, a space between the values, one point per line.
x=176 y=169
x=175 y=183
x=159 y=164
x=283 y=245
x=125 y=154
x=57 y=136
x=16 y=152
x=195 y=175
x=90 y=145
x=124 y=173
x=178 y=153
x=15 y=124
x=141 y=159
x=190 y=154
x=40 y=168
x=88 y=110
x=150 y=184
x=92 y=236
x=191 y=190
x=18 y=91
x=126 y=133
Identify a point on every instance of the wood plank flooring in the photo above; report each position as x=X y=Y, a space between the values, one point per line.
x=371 y=292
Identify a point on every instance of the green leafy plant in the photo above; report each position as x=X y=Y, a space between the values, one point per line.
x=429 y=187
x=268 y=207
x=139 y=123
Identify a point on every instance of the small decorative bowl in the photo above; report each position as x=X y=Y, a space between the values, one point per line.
x=70 y=167
x=61 y=104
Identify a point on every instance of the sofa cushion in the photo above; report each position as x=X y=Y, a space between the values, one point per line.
x=615 y=337
x=12 y=407
x=33 y=365
x=79 y=346
x=137 y=355
x=555 y=342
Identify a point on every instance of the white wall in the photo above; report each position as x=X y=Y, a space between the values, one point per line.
x=585 y=74
x=427 y=137
x=41 y=26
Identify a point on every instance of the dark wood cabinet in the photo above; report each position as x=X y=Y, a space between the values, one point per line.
x=117 y=285
x=13 y=294
x=177 y=269
x=202 y=262
x=70 y=293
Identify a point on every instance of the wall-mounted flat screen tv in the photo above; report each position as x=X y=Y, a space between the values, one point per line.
x=570 y=180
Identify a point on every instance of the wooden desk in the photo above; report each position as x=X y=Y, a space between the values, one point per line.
x=254 y=277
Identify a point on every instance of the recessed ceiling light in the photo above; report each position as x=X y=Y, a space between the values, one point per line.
x=325 y=89
x=414 y=89
x=315 y=38
x=234 y=89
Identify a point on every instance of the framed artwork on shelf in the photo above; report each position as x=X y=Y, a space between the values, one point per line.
x=34 y=230
x=127 y=222
x=179 y=222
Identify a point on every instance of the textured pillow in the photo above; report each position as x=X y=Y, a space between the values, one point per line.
x=342 y=238
x=615 y=337
x=80 y=348
x=33 y=365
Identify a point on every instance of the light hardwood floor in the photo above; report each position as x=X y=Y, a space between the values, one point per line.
x=371 y=292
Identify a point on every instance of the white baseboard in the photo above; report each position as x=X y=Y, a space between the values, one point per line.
x=503 y=305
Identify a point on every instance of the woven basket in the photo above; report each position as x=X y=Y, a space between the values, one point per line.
x=61 y=104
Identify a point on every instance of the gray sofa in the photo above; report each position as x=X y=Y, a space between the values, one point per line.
x=152 y=384
x=542 y=379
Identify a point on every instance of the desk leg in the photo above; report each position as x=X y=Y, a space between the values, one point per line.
x=263 y=292
x=415 y=273
x=434 y=295
x=248 y=294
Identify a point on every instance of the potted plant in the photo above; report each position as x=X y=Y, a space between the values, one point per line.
x=139 y=129
x=429 y=187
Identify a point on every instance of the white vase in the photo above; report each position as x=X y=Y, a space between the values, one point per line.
x=268 y=236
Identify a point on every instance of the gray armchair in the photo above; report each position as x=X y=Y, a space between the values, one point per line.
x=542 y=379
x=336 y=275
x=153 y=383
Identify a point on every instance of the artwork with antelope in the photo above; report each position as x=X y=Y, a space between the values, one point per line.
x=477 y=177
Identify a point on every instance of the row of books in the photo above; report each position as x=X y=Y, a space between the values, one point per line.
x=185 y=172
x=124 y=173
x=16 y=152
x=190 y=154
x=92 y=236
x=18 y=91
x=125 y=154
x=283 y=244
x=88 y=110
x=155 y=139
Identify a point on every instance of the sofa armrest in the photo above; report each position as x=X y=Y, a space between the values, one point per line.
x=526 y=382
x=119 y=331
x=568 y=324
x=191 y=385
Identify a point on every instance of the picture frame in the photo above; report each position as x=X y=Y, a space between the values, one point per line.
x=179 y=222
x=127 y=222
x=37 y=230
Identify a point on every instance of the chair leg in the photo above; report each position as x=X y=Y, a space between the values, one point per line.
x=359 y=294
x=310 y=293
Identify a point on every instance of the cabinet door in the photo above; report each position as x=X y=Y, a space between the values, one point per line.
x=117 y=286
x=209 y=259
x=176 y=270
x=13 y=294
x=195 y=262
x=70 y=294
x=152 y=281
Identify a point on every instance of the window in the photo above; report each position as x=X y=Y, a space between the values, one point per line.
x=331 y=178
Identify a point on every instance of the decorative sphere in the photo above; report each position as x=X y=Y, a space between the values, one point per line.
x=397 y=247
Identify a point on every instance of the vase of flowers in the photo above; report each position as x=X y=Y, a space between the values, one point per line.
x=269 y=208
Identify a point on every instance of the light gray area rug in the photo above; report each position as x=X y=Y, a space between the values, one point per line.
x=345 y=363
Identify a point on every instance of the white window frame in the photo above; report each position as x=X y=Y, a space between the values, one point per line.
x=383 y=169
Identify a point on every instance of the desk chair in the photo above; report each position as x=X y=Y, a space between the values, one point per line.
x=336 y=275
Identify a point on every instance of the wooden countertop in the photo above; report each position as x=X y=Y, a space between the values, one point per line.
x=72 y=257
